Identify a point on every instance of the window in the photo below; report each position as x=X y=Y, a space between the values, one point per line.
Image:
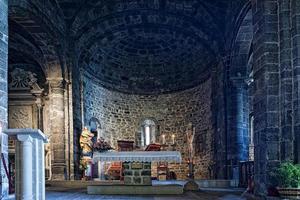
x=251 y=135
x=147 y=134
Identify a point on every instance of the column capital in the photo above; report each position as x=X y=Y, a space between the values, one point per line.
x=56 y=82
x=24 y=138
x=56 y=85
x=239 y=81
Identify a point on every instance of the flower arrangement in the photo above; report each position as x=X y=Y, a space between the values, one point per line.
x=101 y=145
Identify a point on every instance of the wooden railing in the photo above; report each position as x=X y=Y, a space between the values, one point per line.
x=246 y=173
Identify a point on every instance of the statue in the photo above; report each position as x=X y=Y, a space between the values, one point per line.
x=86 y=142
x=86 y=145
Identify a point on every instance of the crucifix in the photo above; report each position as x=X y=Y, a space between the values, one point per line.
x=190 y=142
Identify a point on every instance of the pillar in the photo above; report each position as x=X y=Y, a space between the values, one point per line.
x=238 y=137
x=3 y=94
x=295 y=16
x=57 y=124
x=286 y=82
x=266 y=93
x=24 y=179
x=30 y=167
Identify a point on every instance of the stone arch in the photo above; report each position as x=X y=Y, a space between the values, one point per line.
x=23 y=48
x=95 y=126
x=46 y=36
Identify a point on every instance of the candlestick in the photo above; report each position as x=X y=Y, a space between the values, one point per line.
x=163 y=139
x=173 y=139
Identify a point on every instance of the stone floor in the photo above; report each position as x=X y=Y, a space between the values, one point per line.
x=60 y=194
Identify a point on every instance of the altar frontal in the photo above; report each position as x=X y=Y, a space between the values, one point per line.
x=137 y=164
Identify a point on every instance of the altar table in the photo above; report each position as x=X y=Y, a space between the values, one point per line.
x=137 y=164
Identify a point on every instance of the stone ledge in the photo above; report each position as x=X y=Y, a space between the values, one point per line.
x=79 y=184
x=135 y=190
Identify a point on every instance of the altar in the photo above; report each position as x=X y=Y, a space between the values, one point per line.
x=137 y=164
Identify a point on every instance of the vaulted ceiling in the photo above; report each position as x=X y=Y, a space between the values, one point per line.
x=145 y=46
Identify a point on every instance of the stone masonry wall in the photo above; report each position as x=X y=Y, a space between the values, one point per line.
x=121 y=116
x=137 y=173
x=3 y=90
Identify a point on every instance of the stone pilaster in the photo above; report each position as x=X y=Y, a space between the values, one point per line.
x=3 y=94
x=286 y=81
x=57 y=123
x=266 y=92
x=295 y=16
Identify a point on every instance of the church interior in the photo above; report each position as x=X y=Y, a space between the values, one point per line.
x=184 y=98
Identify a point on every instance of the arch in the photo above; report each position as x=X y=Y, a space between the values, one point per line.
x=23 y=47
x=41 y=11
x=46 y=36
x=95 y=126
x=148 y=132
x=237 y=92
x=245 y=10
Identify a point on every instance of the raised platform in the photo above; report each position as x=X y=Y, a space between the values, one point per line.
x=78 y=184
x=135 y=190
x=83 y=184
x=217 y=183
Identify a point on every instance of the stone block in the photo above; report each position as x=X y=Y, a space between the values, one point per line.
x=137 y=173
x=147 y=181
x=147 y=165
x=126 y=165
x=146 y=173
x=127 y=180
x=128 y=173
x=137 y=180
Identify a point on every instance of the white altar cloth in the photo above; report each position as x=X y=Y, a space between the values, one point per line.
x=138 y=156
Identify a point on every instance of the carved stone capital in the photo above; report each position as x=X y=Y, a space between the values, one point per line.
x=56 y=86
x=24 y=138
x=239 y=82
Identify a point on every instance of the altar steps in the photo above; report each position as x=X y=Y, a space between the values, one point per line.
x=135 y=190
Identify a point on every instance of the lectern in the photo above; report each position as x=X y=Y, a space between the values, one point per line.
x=30 y=167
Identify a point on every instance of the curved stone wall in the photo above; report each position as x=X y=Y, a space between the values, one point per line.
x=121 y=115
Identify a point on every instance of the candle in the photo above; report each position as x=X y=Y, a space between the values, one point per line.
x=163 y=139
x=173 y=139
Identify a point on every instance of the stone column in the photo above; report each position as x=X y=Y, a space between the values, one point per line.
x=238 y=137
x=39 y=114
x=57 y=124
x=295 y=16
x=24 y=180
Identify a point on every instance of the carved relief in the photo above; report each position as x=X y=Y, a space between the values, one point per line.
x=22 y=79
x=20 y=117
